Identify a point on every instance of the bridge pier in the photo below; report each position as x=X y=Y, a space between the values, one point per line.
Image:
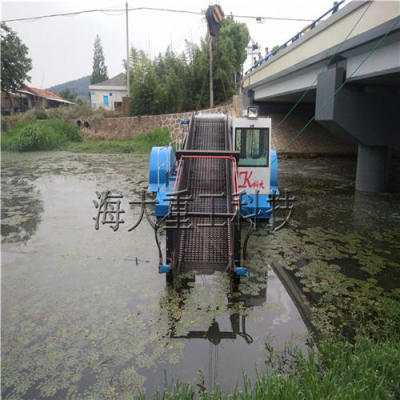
x=365 y=114
x=373 y=164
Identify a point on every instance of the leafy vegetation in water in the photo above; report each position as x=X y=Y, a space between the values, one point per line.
x=84 y=323
x=340 y=273
x=21 y=209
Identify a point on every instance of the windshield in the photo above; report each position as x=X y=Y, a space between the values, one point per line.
x=253 y=146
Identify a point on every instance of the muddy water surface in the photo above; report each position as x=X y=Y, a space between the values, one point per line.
x=85 y=313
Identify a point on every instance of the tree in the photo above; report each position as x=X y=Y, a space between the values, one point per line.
x=69 y=95
x=179 y=82
x=15 y=63
x=170 y=71
x=145 y=89
x=230 y=55
x=228 y=58
x=99 y=73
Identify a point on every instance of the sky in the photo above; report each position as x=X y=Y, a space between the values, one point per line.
x=61 y=48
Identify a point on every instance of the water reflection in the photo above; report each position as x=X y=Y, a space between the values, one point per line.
x=212 y=332
x=21 y=207
x=235 y=301
x=371 y=206
x=221 y=319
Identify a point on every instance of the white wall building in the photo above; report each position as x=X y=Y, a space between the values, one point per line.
x=109 y=94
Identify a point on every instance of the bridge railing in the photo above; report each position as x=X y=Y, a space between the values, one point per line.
x=297 y=36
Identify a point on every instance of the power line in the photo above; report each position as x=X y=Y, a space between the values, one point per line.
x=110 y=11
x=230 y=15
x=111 y=14
x=273 y=18
x=167 y=10
x=59 y=15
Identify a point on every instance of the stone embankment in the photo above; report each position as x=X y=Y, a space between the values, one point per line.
x=315 y=140
x=128 y=127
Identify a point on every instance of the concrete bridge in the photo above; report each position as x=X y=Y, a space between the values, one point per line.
x=346 y=71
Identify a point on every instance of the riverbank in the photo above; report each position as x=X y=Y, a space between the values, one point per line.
x=141 y=143
x=58 y=135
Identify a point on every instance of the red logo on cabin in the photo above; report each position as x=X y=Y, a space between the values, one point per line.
x=247 y=183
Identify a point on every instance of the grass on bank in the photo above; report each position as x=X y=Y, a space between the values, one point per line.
x=54 y=134
x=40 y=135
x=368 y=369
x=141 y=143
x=339 y=372
x=74 y=112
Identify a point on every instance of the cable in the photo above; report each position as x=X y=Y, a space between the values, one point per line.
x=113 y=14
x=58 y=15
x=110 y=10
x=322 y=69
x=330 y=98
x=166 y=10
x=273 y=18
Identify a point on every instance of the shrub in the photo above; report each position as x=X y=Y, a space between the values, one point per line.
x=77 y=111
x=27 y=138
x=83 y=110
x=69 y=131
x=39 y=135
x=40 y=115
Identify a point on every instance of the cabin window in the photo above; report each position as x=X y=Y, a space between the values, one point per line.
x=253 y=144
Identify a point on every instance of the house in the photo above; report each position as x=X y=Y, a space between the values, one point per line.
x=109 y=94
x=26 y=98
x=42 y=98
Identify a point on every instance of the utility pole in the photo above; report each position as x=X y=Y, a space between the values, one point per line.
x=214 y=16
x=210 y=38
x=127 y=52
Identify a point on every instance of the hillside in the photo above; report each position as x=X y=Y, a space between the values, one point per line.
x=80 y=86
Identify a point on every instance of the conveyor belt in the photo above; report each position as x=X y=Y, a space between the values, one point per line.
x=206 y=248
x=209 y=134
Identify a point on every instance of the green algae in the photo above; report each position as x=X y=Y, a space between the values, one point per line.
x=340 y=273
x=342 y=249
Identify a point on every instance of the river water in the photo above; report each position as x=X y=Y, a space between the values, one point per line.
x=85 y=313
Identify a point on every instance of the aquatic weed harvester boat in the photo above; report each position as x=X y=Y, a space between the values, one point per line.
x=225 y=175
